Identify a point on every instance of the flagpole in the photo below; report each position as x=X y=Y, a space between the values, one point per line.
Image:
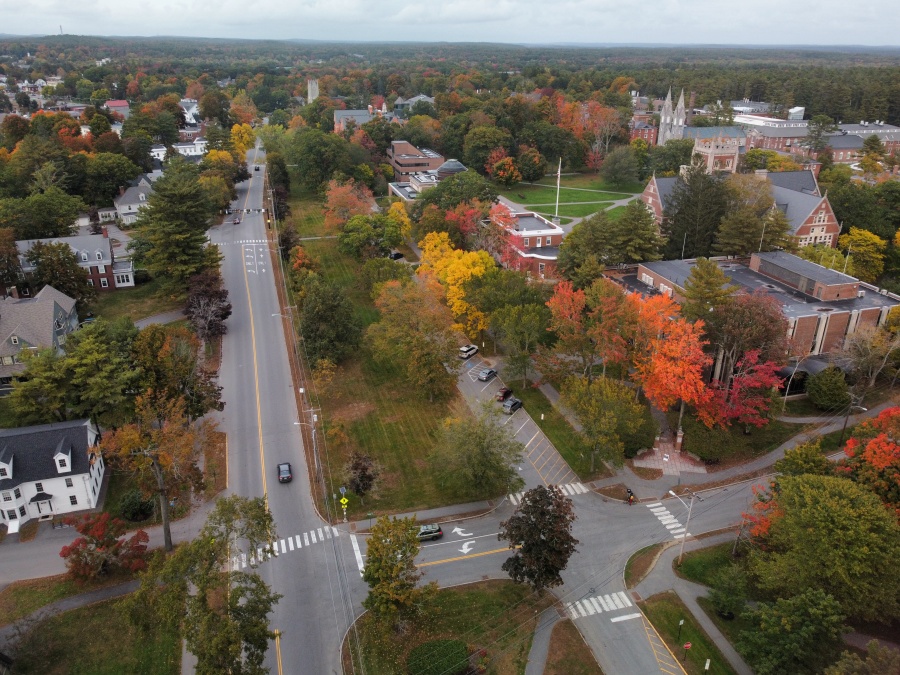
x=558 y=175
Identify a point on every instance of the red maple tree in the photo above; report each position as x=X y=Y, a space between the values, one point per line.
x=873 y=456
x=101 y=546
x=746 y=398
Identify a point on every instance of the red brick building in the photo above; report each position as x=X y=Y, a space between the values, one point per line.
x=644 y=130
x=534 y=241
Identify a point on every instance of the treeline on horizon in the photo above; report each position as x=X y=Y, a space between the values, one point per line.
x=847 y=84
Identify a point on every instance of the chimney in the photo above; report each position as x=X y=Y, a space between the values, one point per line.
x=105 y=232
x=761 y=174
x=121 y=190
x=370 y=109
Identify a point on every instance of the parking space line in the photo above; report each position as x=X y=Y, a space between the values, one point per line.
x=536 y=434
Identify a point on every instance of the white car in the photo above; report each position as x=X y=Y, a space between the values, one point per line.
x=468 y=351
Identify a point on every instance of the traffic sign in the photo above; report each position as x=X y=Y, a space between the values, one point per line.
x=687 y=645
x=344 y=501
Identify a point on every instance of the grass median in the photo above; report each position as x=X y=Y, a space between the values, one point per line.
x=142 y=301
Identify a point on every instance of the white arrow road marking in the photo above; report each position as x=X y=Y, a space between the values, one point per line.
x=467 y=547
x=459 y=531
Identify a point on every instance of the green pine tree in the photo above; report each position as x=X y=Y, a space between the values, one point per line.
x=706 y=288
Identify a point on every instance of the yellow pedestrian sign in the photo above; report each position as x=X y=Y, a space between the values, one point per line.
x=344 y=501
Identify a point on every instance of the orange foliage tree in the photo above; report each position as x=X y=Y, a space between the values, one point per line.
x=345 y=200
x=873 y=456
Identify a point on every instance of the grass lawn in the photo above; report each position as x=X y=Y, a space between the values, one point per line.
x=665 y=611
x=497 y=617
x=731 y=628
x=21 y=598
x=732 y=444
x=639 y=564
x=538 y=194
x=701 y=566
x=615 y=213
x=591 y=181
x=135 y=303
x=97 y=640
x=801 y=407
x=566 y=440
x=306 y=213
x=829 y=442
x=569 y=655
x=572 y=210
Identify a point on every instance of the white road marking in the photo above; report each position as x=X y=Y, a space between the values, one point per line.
x=624 y=598
x=306 y=538
x=614 y=599
x=290 y=543
x=321 y=536
x=356 y=552
x=297 y=537
x=606 y=605
x=654 y=505
x=625 y=617
x=312 y=535
x=596 y=605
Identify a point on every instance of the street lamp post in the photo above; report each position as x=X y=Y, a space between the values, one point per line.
x=850 y=409
x=688 y=523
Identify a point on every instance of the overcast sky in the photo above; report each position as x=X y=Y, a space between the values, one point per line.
x=825 y=22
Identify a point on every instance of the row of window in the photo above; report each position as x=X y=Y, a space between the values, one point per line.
x=537 y=241
x=11 y=513
x=104 y=282
x=819 y=239
x=84 y=256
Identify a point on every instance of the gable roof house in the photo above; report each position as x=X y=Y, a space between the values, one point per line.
x=48 y=470
x=32 y=323
x=95 y=256
x=132 y=200
x=796 y=193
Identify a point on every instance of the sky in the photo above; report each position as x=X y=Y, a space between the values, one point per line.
x=825 y=22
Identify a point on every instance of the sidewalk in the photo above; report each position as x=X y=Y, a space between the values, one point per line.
x=662 y=578
x=540 y=644
x=166 y=317
x=438 y=515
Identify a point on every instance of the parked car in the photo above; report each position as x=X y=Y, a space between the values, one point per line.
x=256 y=168
x=430 y=532
x=468 y=351
x=395 y=255
x=511 y=405
x=237 y=220
x=503 y=394
x=285 y=475
x=487 y=374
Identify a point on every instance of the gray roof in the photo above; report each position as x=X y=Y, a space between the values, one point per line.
x=85 y=243
x=714 y=132
x=31 y=320
x=779 y=132
x=528 y=222
x=796 y=205
x=32 y=450
x=798 y=181
x=360 y=116
x=664 y=188
x=450 y=167
x=869 y=128
x=845 y=142
x=807 y=269
x=133 y=195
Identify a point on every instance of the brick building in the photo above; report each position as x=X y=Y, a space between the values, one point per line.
x=822 y=306
x=407 y=159
x=644 y=130
x=95 y=256
x=535 y=242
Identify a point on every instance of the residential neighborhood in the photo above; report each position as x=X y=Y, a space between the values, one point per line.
x=448 y=356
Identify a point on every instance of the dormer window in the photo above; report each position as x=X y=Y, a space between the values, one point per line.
x=99 y=255
x=84 y=256
x=14 y=339
x=62 y=462
x=4 y=472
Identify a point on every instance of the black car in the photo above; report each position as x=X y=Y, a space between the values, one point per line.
x=256 y=168
x=511 y=405
x=395 y=255
x=285 y=475
x=431 y=532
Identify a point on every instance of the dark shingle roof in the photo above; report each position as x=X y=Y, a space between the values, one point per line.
x=798 y=181
x=796 y=205
x=806 y=269
x=32 y=450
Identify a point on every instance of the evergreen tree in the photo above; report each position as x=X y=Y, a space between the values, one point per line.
x=171 y=230
x=705 y=289
x=56 y=265
x=693 y=211
x=828 y=390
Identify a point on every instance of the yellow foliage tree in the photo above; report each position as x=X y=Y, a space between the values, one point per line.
x=242 y=138
x=397 y=213
x=453 y=268
x=243 y=109
x=866 y=251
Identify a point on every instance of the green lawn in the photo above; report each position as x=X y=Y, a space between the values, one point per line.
x=538 y=194
x=136 y=303
x=564 y=438
x=21 y=598
x=732 y=443
x=701 y=566
x=97 y=640
x=591 y=181
x=495 y=616
x=731 y=628
x=572 y=210
x=615 y=213
x=665 y=611
x=800 y=407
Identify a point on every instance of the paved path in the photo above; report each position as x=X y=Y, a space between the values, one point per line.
x=165 y=317
x=662 y=578
x=540 y=644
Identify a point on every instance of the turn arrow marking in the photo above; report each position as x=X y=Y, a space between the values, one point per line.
x=467 y=547
x=459 y=531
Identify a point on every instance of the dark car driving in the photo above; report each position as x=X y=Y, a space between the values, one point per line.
x=285 y=475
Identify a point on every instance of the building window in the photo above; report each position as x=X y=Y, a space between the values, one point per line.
x=39 y=487
x=548 y=241
x=62 y=463
x=18 y=493
x=22 y=511
x=99 y=255
x=526 y=241
x=84 y=257
x=104 y=283
x=3 y=472
x=73 y=500
x=14 y=339
x=11 y=514
x=7 y=497
x=68 y=482
x=90 y=281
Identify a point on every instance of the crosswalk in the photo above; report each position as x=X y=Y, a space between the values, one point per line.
x=668 y=521
x=569 y=489
x=242 y=241
x=283 y=546
x=611 y=602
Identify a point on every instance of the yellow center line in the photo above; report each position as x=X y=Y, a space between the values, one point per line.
x=262 y=457
x=463 y=557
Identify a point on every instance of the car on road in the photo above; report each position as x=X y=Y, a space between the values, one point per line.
x=256 y=168
x=395 y=255
x=430 y=532
x=468 y=351
x=511 y=405
x=237 y=220
x=285 y=475
x=503 y=394
x=487 y=374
